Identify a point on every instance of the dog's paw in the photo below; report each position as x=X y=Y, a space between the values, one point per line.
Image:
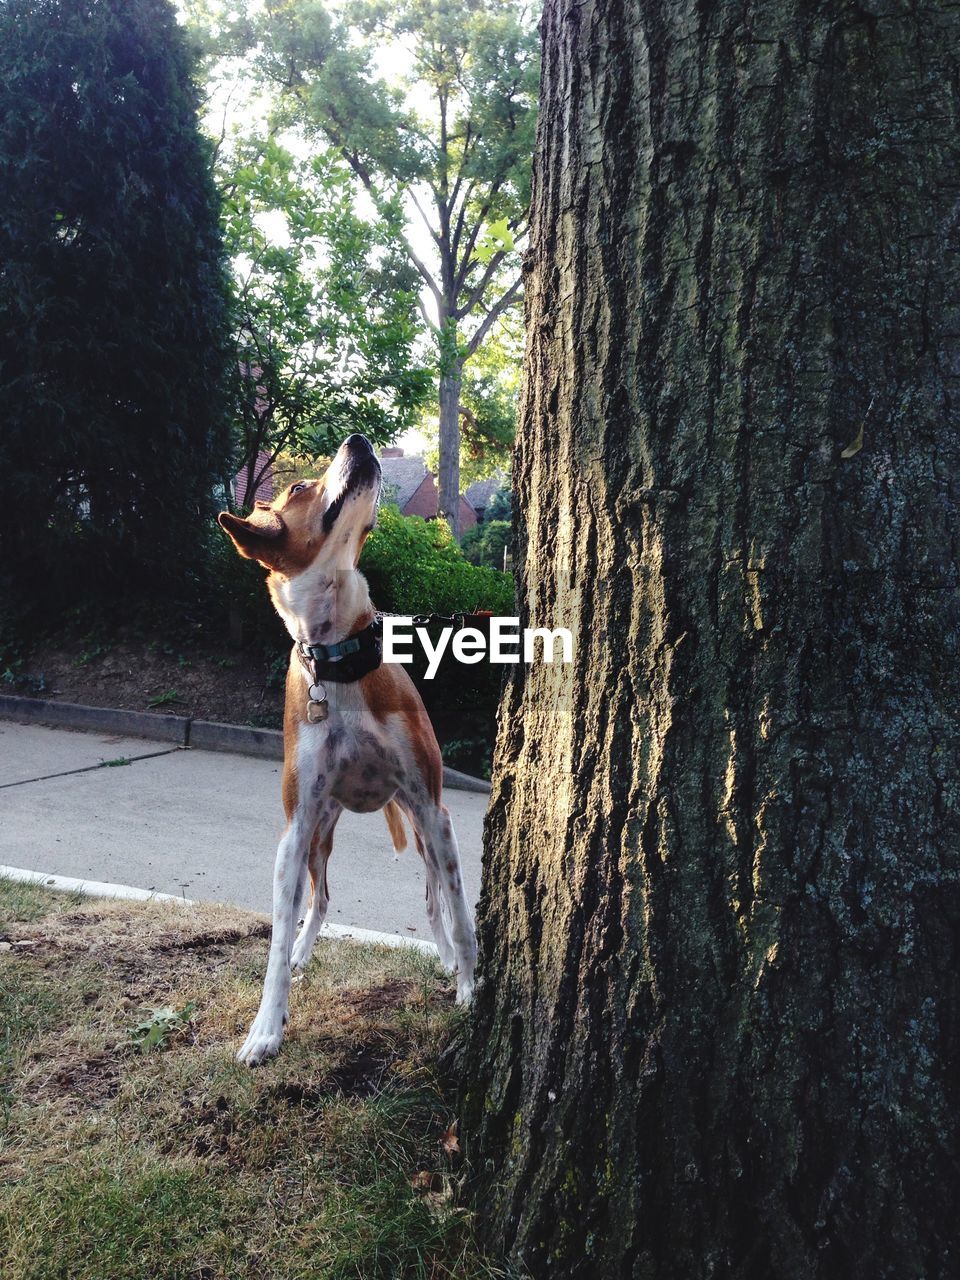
x=464 y=990
x=300 y=956
x=262 y=1042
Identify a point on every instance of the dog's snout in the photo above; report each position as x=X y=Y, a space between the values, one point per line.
x=359 y=443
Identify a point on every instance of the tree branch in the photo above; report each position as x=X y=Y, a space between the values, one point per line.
x=495 y=312
x=463 y=159
x=461 y=218
x=489 y=272
x=360 y=169
x=465 y=262
x=429 y=323
x=426 y=220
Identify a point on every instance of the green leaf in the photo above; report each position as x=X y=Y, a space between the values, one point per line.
x=500 y=231
x=855 y=445
x=159 y=1025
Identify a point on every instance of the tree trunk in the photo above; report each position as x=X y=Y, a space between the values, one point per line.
x=716 y=1033
x=448 y=481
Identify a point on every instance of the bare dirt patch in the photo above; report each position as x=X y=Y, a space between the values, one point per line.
x=387 y=995
x=364 y=1072
x=83 y=1082
x=233 y=687
x=115 y=931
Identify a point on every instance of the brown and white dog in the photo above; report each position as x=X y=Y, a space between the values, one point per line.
x=375 y=748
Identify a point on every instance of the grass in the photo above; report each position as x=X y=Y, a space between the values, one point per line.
x=165 y=699
x=174 y=1161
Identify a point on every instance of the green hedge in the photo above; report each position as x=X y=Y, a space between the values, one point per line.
x=485 y=543
x=415 y=566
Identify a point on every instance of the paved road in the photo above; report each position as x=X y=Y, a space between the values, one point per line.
x=198 y=823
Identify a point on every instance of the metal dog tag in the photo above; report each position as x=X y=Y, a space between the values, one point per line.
x=317 y=707
x=317 y=711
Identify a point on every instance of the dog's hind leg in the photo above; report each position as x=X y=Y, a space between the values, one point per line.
x=437 y=843
x=320 y=850
x=435 y=913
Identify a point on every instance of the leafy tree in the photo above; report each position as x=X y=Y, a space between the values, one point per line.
x=488 y=404
x=324 y=309
x=112 y=297
x=484 y=544
x=454 y=140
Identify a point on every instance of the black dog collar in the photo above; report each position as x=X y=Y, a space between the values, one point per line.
x=347 y=660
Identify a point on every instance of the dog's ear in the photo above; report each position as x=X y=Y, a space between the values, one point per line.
x=258 y=537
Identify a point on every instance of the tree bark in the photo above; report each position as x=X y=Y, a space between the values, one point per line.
x=448 y=481
x=716 y=1032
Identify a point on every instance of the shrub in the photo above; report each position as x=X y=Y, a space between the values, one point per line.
x=415 y=566
x=484 y=544
x=113 y=303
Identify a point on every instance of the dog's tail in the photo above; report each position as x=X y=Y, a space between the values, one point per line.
x=398 y=832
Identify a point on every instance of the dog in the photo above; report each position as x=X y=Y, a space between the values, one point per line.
x=356 y=733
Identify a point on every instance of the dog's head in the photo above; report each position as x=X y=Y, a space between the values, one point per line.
x=314 y=522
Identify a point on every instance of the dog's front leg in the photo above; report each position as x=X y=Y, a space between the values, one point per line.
x=266 y=1032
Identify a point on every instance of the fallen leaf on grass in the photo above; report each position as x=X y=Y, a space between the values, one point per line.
x=425 y=1181
x=161 y=1025
x=449 y=1141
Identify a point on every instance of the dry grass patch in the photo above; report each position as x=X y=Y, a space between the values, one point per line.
x=175 y=1161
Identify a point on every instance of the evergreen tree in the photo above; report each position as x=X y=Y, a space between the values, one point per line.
x=112 y=296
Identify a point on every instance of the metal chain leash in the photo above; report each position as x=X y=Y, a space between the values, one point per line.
x=423 y=619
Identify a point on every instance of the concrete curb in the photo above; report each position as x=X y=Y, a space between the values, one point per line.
x=72 y=715
x=102 y=889
x=244 y=740
x=91 y=888
x=183 y=731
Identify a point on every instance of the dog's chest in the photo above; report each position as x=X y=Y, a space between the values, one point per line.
x=351 y=758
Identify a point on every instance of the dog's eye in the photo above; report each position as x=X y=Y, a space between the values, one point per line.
x=298 y=487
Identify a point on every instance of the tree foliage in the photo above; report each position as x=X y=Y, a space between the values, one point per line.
x=485 y=544
x=452 y=139
x=112 y=293
x=323 y=308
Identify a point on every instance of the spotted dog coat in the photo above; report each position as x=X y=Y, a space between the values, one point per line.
x=376 y=749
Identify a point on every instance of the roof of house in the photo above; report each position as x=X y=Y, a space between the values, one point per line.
x=401 y=478
x=403 y=475
x=480 y=492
